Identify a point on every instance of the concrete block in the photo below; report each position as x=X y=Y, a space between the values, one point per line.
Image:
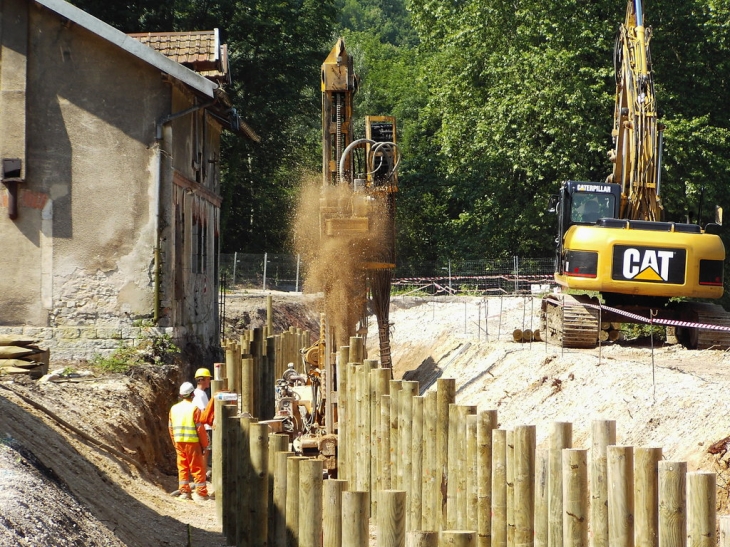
x=131 y=332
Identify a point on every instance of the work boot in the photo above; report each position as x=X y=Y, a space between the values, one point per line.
x=198 y=497
x=185 y=496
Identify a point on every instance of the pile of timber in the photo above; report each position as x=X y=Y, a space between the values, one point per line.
x=527 y=335
x=21 y=355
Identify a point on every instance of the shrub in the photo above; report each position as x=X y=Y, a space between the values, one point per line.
x=152 y=350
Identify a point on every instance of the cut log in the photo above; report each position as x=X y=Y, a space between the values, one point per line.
x=18 y=363
x=14 y=370
x=15 y=352
x=16 y=340
x=517 y=335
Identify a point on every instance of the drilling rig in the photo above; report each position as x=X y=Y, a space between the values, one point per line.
x=612 y=237
x=356 y=247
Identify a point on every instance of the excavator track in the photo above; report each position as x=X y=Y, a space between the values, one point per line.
x=711 y=314
x=568 y=323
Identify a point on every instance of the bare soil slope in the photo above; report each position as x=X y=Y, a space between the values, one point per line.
x=60 y=489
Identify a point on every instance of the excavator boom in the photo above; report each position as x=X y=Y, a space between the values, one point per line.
x=636 y=133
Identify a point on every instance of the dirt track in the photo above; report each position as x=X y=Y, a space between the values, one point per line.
x=678 y=403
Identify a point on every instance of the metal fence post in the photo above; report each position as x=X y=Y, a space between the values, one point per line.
x=449 y=275
x=296 y=285
x=265 y=261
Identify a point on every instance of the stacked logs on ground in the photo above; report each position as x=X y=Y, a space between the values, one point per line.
x=610 y=332
x=527 y=335
x=21 y=355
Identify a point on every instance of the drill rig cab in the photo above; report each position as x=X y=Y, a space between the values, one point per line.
x=611 y=237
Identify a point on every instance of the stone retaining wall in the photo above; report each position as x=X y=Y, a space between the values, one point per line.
x=84 y=342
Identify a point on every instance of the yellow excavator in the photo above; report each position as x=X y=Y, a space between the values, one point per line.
x=612 y=238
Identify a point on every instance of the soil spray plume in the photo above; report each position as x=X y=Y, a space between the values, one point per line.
x=343 y=237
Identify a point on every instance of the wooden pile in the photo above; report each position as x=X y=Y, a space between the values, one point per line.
x=21 y=355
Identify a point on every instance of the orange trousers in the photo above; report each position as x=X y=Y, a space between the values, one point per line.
x=190 y=461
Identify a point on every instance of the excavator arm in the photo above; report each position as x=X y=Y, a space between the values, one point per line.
x=637 y=134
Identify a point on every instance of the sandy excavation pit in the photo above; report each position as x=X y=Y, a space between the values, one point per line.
x=87 y=497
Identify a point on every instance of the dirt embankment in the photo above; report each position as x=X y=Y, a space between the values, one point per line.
x=64 y=486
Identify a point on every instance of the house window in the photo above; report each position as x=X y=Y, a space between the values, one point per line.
x=203 y=237
x=199 y=258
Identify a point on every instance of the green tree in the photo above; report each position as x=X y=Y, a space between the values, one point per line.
x=521 y=94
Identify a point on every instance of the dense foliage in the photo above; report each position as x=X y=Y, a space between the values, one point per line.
x=497 y=103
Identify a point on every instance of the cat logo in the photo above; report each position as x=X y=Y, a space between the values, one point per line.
x=648 y=264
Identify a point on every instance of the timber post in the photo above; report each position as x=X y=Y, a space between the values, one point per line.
x=646 y=496
x=701 y=509
x=391 y=522
x=332 y=516
x=310 y=502
x=603 y=434
x=672 y=504
x=486 y=423
x=575 y=497
x=279 y=507
x=499 y=488
x=620 y=475
x=355 y=519
x=524 y=484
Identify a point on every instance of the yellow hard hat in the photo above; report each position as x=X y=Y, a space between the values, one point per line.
x=202 y=373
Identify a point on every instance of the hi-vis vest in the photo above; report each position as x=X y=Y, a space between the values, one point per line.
x=184 y=429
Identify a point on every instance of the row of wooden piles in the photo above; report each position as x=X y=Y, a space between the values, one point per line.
x=22 y=355
x=424 y=468
x=256 y=360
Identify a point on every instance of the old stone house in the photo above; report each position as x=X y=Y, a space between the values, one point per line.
x=110 y=202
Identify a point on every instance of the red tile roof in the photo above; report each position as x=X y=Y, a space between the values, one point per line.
x=199 y=50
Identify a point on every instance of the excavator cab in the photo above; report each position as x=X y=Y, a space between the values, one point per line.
x=583 y=203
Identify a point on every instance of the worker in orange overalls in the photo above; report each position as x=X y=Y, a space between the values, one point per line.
x=191 y=442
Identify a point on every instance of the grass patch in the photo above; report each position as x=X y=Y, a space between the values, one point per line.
x=153 y=350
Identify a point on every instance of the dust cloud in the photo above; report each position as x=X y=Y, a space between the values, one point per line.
x=337 y=263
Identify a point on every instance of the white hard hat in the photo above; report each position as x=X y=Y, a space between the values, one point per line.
x=186 y=389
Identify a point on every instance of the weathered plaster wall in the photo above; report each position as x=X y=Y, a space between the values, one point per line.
x=195 y=306
x=92 y=108
x=82 y=278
